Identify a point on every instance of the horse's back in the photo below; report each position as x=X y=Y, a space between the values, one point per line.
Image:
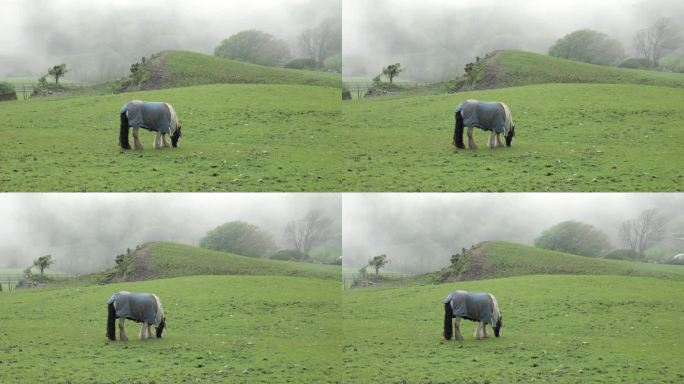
x=135 y=306
x=476 y=306
x=151 y=115
x=487 y=115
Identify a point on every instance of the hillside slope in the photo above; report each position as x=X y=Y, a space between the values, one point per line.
x=504 y=259
x=170 y=69
x=165 y=260
x=515 y=68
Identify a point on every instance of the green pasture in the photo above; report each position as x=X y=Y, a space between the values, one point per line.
x=236 y=137
x=244 y=329
x=556 y=329
x=570 y=137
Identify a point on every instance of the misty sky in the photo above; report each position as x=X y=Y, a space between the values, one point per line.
x=433 y=39
x=420 y=231
x=84 y=231
x=104 y=35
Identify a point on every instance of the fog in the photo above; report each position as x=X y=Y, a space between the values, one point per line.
x=100 y=39
x=434 y=39
x=83 y=232
x=419 y=232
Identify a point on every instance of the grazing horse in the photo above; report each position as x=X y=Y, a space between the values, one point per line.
x=153 y=116
x=140 y=307
x=475 y=306
x=488 y=116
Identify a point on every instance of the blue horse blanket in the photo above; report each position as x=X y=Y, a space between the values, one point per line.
x=140 y=307
x=475 y=306
x=153 y=116
x=490 y=116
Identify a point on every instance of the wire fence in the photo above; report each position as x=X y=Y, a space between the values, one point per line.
x=25 y=90
x=360 y=88
x=9 y=281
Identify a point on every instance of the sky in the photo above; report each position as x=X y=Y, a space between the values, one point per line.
x=434 y=39
x=85 y=231
x=420 y=231
x=101 y=36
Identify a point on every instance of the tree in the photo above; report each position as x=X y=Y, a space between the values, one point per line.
x=649 y=42
x=590 y=47
x=255 y=47
x=378 y=262
x=311 y=229
x=574 y=237
x=322 y=41
x=43 y=263
x=240 y=238
x=392 y=71
x=57 y=71
x=646 y=229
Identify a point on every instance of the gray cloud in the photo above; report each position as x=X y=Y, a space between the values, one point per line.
x=419 y=232
x=100 y=39
x=433 y=39
x=84 y=232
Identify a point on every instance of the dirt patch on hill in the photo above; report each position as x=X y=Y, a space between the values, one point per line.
x=144 y=266
x=477 y=266
x=157 y=75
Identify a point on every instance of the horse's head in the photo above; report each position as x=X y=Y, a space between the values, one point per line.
x=498 y=325
x=510 y=135
x=175 y=136
x=160 y=327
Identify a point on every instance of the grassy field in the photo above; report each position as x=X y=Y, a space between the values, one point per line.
x=570 y=137
x=220 y=329
x=235 y=138
x=557 y=329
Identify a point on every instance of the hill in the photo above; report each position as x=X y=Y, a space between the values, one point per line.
x=170 y=69
x=504 y=259
x=161 y=260
x=515 y=68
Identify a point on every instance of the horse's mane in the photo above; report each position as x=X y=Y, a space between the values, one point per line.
x=160 y=310
x=509 y=119
x=174 y=118
x=496 y=314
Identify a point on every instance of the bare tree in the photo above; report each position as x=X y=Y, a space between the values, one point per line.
x=649 y=41
x=323 y=41
x=304 y=233
x=43 y=263
x=392 y=71
x=648 y=228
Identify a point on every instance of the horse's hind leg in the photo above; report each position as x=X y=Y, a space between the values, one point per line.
x=136 y=140
x=122 y=332
x=471 y=142
x=457 y=327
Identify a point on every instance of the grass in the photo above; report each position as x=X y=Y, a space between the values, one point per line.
x=220 y=329
x=557 y=329
x=570 y=137
x=173 y=260
x=236 y=138
x=180 y=69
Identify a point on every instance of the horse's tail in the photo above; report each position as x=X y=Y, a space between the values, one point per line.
x=448 y=315
x=458 y=131
x=111 y=319
x=123 y=132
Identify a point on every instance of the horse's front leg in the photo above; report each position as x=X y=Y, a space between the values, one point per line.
x=144 y=332
x=478 y=331
x=136 y=140
x=471 y=142
x=164 y=142
x=158 y=141
x=498 y=141
x=122 y=332
x=457 y=327
x=491 y=143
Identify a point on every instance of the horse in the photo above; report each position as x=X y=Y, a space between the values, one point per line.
x=488 y=116
x=140 y=307
x=474 y=306
x=153 y=116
